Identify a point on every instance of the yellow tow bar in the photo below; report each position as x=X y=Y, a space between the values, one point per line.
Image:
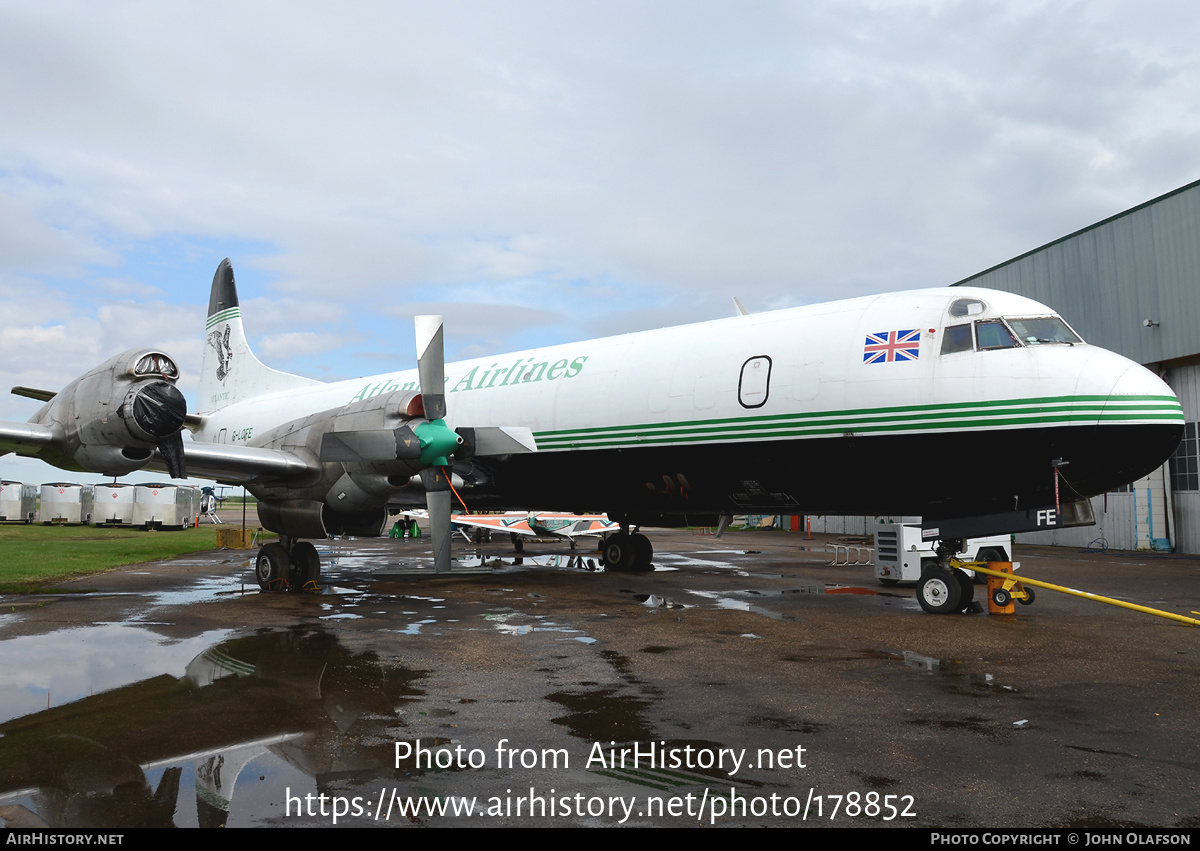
x=1012 y=587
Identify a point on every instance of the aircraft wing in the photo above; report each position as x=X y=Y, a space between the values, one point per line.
x=571 y=526
x=20 y=437
x=598 y=526
x=515 y=522
x=224 y=462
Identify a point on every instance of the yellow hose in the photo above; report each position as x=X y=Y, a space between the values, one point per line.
x=1087 y=595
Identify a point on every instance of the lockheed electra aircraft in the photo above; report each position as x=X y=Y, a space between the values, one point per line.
x=981 y=411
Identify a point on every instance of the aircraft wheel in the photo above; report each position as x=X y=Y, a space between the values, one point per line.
x=643 y=553
x=989 y=554
x=1029 y=598
x=306 y=565
x=269 y=566
x=1001 y=597
x=618 y=553
x=966 y=587
x=938 y=592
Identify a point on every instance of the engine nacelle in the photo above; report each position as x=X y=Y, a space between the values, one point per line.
x=112 y=418
x=307 y=518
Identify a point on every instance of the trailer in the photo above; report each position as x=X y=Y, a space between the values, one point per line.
x=114 y=504
x=165 y=506
x=18 y=502
x=67 y=502
x=901 y=555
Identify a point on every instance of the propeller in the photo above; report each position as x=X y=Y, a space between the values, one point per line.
x=437 y=440
x=427 y=440
x=157 y=410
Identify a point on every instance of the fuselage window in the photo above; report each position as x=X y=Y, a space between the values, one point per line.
x=755 y=383
x=994 y=334
x=1043 y=329
x=957 y=339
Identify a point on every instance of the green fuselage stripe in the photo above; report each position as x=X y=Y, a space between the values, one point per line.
x=1001 y=414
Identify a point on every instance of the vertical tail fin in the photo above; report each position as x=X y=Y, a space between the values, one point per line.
x=229 y=371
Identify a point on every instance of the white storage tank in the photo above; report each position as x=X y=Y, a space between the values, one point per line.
x=67 y=502
x=114 y=504
x=18 y=501
x=164 y=505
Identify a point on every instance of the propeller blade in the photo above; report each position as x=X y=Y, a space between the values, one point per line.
x=431 y=365
x=437 y=501
x=171 y=450
x=496 y=440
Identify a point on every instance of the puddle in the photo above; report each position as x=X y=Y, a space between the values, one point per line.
x=953 y=669
x=678 y=561
x=202 y=590
x=38 y=672
x=565 y=561
x=654 y=601
x=414 y=628
x=500 y=622
x=733 y=600
x=203 y=732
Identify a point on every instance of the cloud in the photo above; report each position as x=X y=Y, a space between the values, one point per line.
x=611 y=164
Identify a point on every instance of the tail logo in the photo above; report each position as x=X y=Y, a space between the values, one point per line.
x=224 y=352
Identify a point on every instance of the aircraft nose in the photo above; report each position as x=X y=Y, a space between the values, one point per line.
x=1139 y=426
x=1138 y=394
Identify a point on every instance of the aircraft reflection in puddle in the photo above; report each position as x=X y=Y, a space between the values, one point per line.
x=570 y=562
x=664 y=561
x=117 y=759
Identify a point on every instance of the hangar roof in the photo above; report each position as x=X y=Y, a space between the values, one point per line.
x=1109 y=278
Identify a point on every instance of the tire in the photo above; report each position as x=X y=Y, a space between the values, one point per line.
x=643 y=553
x=269 y=566
x=618 y=553
x=306 y=565
x=966 y=588
x=1029 y=597
x=988 y=554
x=938 y=592
x=1001 y=597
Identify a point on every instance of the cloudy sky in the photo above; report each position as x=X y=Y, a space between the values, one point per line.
x=542 y=172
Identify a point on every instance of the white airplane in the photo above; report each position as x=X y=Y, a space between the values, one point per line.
x=979 y=410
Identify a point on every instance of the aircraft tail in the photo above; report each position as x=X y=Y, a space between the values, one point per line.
x=229 y=371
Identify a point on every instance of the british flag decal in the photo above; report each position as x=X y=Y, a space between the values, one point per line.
x=890 y=346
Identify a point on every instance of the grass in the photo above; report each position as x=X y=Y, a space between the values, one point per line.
x=33 y=557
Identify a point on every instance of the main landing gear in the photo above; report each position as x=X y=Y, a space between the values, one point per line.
x=622 y=552
x=287 y=564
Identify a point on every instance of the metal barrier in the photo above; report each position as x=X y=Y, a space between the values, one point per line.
x=845 y=555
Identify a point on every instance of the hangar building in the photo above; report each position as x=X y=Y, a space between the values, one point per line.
x=1130 y=283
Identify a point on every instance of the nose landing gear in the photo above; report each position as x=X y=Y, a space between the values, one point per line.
x=945 y=588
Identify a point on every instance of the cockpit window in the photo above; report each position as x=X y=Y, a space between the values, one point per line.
x=156 y=363
x=957 y=339
x=1043 y=329
x=994 y=334
x=967 y=307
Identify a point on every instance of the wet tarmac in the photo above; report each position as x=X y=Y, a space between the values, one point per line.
x=743 y=682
